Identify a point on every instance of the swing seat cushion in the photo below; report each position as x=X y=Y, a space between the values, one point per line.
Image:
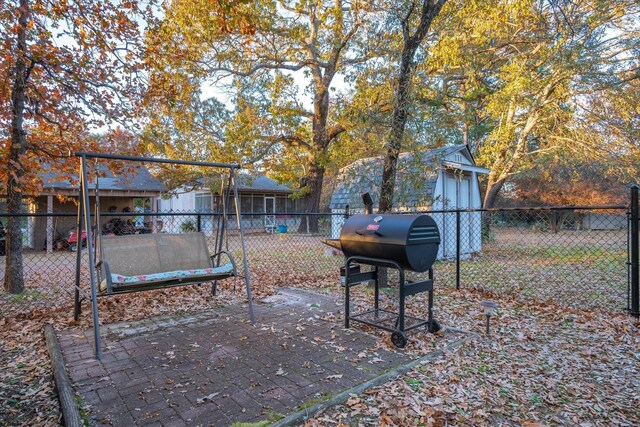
x=157 y=260
x=172 y=276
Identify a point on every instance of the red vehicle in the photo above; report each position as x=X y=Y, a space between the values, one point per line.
x=72 y=241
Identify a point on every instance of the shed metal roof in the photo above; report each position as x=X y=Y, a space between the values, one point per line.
x=415 y=184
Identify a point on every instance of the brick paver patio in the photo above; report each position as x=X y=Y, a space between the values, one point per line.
x=217 y=369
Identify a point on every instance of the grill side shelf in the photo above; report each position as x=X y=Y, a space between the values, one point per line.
x=367 y=276
x=417 y=287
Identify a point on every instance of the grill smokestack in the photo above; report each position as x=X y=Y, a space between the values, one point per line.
x=368 y=203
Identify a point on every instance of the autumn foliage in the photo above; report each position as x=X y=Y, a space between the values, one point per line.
x=79 y=73
x=70 y=69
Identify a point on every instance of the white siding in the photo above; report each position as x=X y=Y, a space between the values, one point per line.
x=182 y=202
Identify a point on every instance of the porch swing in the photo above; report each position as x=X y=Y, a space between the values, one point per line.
x=140 y=262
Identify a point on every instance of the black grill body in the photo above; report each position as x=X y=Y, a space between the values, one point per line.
x=401 y=242
x=410 y=240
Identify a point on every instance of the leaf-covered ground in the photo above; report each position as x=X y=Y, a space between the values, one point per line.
x=541 y=365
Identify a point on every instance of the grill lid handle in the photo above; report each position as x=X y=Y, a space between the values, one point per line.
x=366 y=232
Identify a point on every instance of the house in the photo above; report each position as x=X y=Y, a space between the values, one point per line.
x=134 y=188
x=442 y=179
x=604 y=221
x=264 y=204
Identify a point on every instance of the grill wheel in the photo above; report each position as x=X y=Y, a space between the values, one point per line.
x=399 y=339
x=435 y=326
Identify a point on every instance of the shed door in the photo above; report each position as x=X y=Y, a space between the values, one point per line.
x=464 y=187
x=456 y=193
x=449 y=202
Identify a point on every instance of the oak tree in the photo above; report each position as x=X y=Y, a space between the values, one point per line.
x=259 y=65
x=68 y=67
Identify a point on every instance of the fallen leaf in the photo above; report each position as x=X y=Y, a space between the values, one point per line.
x=206 y=398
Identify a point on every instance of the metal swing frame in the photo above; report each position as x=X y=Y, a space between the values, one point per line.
x=84 y=222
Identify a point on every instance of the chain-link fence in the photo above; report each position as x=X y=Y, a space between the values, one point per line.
x=572 y=256
x=281 y=249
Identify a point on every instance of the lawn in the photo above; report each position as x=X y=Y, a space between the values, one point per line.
x=580 y=269
x=541 y=365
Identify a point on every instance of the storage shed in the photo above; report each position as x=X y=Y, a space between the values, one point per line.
x=604 y=221
x=441 y=179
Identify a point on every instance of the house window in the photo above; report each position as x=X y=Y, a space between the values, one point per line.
x=142 y=204
x=245 y=204
x=217 y=203
x=231 y=207
x=203 y=202
x=281 y=204
x=291 y=205
x=258 y=203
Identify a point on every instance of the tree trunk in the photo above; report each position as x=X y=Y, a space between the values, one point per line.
x=314 y=178
x=465 y=135
x=493 y=189
x=313 y=182
x=13 y=277
x=557 y=219
x=398 y=124
x=401 y=108
x=429 y=11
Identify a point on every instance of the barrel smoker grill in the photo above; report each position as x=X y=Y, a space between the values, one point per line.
x=402 y=242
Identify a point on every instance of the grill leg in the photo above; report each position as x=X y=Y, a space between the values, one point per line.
x=401 y=302
x=430 y=318
x=376 y=301
x=346 y=295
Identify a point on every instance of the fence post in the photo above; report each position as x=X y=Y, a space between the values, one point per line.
x=199 y=223
x=635 y=243
x=457 y=249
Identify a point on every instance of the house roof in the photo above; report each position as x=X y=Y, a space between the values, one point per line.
x=254 y=184
x=416 y=177
x=248 y=183
x=135 y=178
